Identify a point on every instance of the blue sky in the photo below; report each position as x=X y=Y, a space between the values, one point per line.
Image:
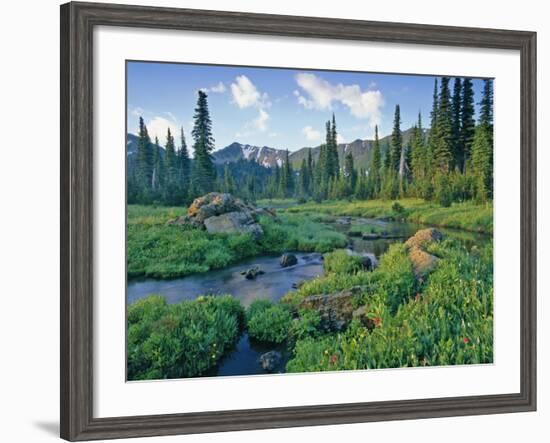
x=281 y=108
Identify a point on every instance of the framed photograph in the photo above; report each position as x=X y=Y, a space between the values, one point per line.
x=272 y=221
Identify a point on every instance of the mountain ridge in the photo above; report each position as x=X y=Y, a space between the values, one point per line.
x=268 y=157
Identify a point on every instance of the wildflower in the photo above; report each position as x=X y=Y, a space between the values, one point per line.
x=418 y=296
x=466 y=340
x=377 y=321
x=333 y=359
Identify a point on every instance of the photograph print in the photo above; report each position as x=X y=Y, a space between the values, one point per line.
x=285 y=220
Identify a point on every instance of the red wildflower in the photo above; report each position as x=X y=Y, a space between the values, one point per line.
x=418 y=296
x=466 y=340
x=377 y=321
x=333 y=359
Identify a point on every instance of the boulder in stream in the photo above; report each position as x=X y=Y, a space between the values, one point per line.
x=287 y=260
x=252 y=273
x=270 y=361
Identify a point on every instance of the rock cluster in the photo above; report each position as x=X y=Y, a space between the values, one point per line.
x=423 y=262
x=223 y=213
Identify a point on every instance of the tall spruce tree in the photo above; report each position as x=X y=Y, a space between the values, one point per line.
x=310 y=169
x=376 y=163
x=432 y=134
x=157 y=179
x=172 y=189
x=184 y=164
x=456 y=109
x=204 y=171
x=303 y=188
x=287 y=177
x=349 y=174
x=418 y=151
x=144 y=160
x=396 y=141
x=486 y=107
x=467 y=123
x=481 y=163
x=443 y=148
x=333 y=152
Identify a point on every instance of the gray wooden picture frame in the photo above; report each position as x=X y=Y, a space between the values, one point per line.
x=77 y=24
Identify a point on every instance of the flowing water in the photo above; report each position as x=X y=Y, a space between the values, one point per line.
x=274 y=283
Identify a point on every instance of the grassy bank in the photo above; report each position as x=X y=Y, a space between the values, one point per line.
x=467 y=215
x=158 y=250
x=445 y=320
x=180 y=340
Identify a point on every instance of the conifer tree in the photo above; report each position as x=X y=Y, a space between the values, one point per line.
x=443 y=149
x=396 y=141
x=375 y=165
x=171 y=188
x=467 y=123
x=432 y=135
x=303 y=188
x=486 y=108
x=418 y=151
x=333 y=152
x=288 y=177
x=204 y=172
x=349 y=176
x=310 y=171
x=144 y=160
x=456 y=109
x=481 y=163
x=158 y=167
x=184 y=164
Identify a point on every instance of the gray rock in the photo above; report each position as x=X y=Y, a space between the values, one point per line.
x=223 y=213
x=288 y=260
x=270 y=361
x=335 y=310
x=423 y=262
x=252 y=273
x=237 y=221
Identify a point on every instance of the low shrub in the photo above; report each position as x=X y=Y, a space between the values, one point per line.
x=396 y=276
x=340 y=262
x=268 y=322
x=305 y=325
x=180 y=340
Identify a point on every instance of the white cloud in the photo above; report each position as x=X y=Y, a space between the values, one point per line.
x=217 y=89
x=321 y=94
x=246 y=95
x=340 y=138
x=158 y=126
x=260 y=123
x=311 y=134
x=172 y=116
x=272 y=134
x=138 y=112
